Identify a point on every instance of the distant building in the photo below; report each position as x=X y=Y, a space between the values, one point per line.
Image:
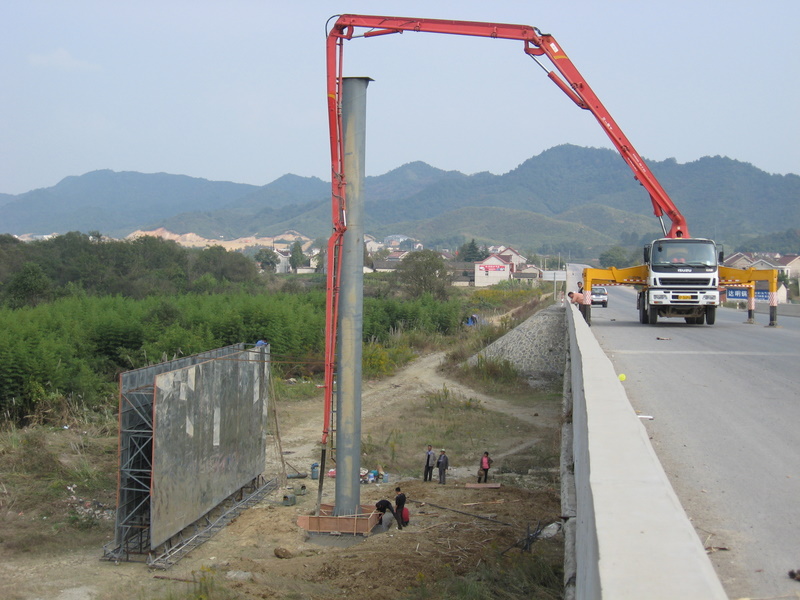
x=372 y=244
x=492 y=270
x=508 y=253
x=397 y=255
x=384 y=266
x=283 y=265
x=787 y=264
x=790 y=264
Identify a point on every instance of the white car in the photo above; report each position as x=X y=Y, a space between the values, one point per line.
x=600 y=296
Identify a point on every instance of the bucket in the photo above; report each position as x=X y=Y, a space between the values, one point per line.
x=302 y=490
x=315 y=471
x=385 y=478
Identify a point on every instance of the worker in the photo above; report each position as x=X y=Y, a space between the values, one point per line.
x=382 y=506
x=443 y=463
x=400 y=510
x=483 y=469
x=578 y=298
x=430 y=462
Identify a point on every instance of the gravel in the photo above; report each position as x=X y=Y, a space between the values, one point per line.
x=536 y=348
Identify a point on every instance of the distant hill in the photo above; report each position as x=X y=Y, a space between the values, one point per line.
x=114 y=203
x=566 y=192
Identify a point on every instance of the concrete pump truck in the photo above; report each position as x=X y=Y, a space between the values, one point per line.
x=681 y=276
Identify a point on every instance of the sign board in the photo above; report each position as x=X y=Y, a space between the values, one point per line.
x=741 y=294
x=554 y=275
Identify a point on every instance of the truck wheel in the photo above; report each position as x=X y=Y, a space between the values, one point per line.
x=711 y=314
x=605 y=304
x=642 y=311
x=652 y=315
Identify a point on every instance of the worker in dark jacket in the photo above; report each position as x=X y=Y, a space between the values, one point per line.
x=400 y=506
x=382 y=506
x=443 y=463
x=430 y=462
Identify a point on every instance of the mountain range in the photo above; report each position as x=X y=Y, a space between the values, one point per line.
x=566 y=193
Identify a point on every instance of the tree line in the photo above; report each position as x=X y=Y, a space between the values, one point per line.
x=34 y=272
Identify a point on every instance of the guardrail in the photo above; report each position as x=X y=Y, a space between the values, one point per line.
x=632 y=537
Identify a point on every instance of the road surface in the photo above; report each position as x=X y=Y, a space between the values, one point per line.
x=725 y=402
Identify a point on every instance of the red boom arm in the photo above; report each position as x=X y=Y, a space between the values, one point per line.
x=537 y=44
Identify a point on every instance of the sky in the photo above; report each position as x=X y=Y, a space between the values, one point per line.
x=235 y=90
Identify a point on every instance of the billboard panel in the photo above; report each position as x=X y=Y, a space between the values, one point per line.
x=209 y=437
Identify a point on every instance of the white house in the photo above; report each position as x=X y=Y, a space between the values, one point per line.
x=790 y=264
x=492 y=270
x=372 y=244
x=283 y=265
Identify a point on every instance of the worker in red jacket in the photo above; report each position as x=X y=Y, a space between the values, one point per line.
x=483 y=470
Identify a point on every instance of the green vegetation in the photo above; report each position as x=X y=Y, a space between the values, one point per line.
x=787 y=242
x=424 y=272
x=73 y=349
x=77 y=263
x=267 y=258
x=470 y=252
x=297 y=258
x=619 y=257
x=78 y=310
x=56 y=480
x=526 y=575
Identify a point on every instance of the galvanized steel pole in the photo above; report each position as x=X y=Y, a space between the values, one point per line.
x=351 y=303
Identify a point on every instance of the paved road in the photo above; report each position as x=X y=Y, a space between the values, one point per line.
x=725 y=402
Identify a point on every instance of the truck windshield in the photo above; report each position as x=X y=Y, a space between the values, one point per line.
x=680 y=252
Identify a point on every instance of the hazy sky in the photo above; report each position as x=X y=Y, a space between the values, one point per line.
x=234 y=90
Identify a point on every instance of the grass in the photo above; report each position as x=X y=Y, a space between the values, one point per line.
x=446 y=420
x=47 y=477
x=204 y=586
x=517 y=575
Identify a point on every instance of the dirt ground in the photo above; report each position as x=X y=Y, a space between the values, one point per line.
x=446 y=537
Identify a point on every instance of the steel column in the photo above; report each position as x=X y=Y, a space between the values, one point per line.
x=351 y=303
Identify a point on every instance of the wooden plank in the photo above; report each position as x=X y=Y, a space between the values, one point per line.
x=360 y=524
x=479 y=486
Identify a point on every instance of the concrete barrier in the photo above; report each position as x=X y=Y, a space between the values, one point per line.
x=633 y=539
x=784 y=310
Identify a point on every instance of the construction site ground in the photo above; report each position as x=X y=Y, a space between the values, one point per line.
x=263 y=554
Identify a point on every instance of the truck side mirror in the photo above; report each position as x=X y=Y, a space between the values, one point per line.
x=721 y=257
x=647 y=254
